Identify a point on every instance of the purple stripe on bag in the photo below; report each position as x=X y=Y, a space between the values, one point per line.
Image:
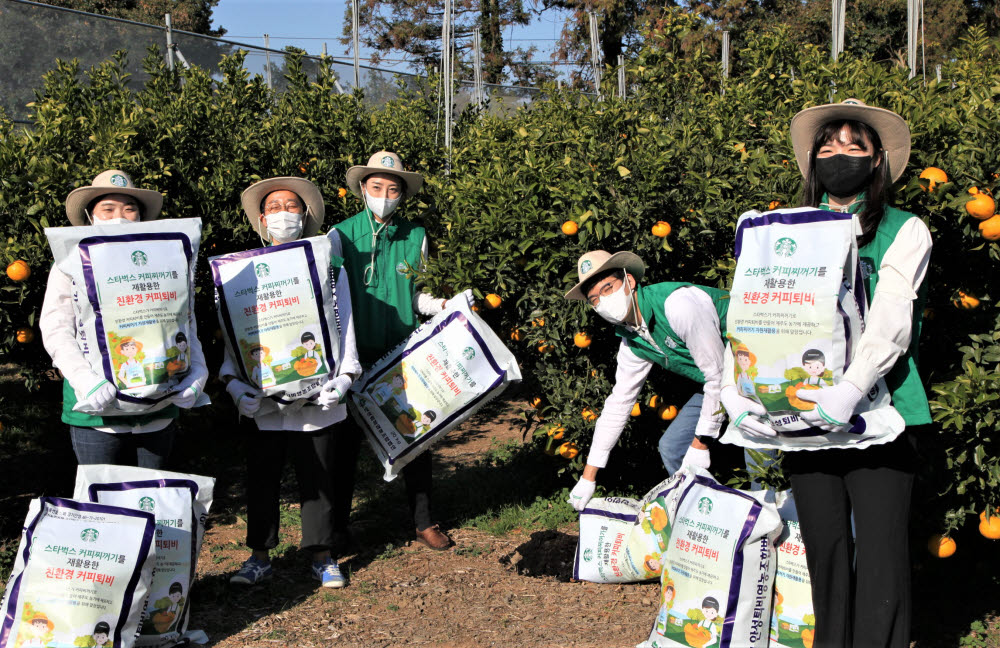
x=93 y=297
x=624 y=517
x=793 y=218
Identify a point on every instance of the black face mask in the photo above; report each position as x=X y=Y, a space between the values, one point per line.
x=844 y=175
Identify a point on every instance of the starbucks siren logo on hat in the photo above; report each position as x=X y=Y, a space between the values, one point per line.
x=119 y=180
x=387 y=161
x=586 y=266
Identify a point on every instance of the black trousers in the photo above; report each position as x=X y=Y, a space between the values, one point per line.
x=311 y=454
x=416 y=475
x=867 y=603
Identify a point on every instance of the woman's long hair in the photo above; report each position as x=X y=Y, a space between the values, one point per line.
x=877 y=191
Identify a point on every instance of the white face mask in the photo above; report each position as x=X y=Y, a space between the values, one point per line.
x=284 y=226
x=381 y=207
x=615 y=307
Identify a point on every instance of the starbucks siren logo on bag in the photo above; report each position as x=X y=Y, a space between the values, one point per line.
x=261 y=270
x=146 y=504
x=89 y=535
x=139 y=258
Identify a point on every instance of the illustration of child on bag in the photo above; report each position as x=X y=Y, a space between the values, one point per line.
x=746 y=370
x=260 y=357
x=130 y=373
x=814 y=362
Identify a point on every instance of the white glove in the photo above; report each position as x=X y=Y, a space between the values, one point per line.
x=743 y=412
x=247 y=398
x=699 y=457
x=102 y=395
x=334 y=391
x=464 y=297
x=185 y=399
x=581 y=493
x=834 y=406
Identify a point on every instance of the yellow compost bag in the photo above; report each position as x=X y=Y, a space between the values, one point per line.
x=622 y=540
x=795 y=316
x=279 y=316
x=449 y=367
x=793 y=621
x=81 y=576
x=180 y=503
x=133 y=293
x=718 y=569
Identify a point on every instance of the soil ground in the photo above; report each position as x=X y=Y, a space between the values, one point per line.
x=506 y=582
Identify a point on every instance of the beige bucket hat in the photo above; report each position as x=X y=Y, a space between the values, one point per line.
x=304 y=189
x=593 y=263
x=112 y=181
x=384 y=162
x=891 y=129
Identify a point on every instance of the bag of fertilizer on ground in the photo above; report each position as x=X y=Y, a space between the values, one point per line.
x=449 y=367
x=180 y=503
x=133 y=293
x=621 y=539
x=718 y=569
x=81 y=576
x=793 y=622
x=796 y=313
x=279 y=316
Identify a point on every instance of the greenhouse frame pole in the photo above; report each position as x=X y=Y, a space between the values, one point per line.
x=356 y=40
x=170 y=43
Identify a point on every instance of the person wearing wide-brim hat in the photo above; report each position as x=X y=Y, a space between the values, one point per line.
x=110 y=200
x=283 y=210
x=380 y=250
x=850 y=154
x=678 y=326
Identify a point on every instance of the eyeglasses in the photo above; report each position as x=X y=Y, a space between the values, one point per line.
x=275 y=206
x=606 y=289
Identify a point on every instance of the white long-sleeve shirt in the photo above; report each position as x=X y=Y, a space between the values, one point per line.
x=58 y=327
x=889 y=325
x=310 y=417
x=692 y=315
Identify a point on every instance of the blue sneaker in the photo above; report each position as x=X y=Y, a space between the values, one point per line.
x=328 y=573
x=253 y=571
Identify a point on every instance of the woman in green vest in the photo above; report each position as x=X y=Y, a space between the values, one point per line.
x=850 y=154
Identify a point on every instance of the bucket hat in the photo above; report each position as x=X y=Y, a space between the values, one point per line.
x=112 y=181
x=593 y=263
x=891 y=129
x=304 y=189
x=384 y=162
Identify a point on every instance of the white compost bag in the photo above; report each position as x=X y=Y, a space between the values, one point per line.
x=81 y=576
x=717 y=570
x=793 y=621
x=133 y=293
x=796 y=314
x=429 y=383
x=180 y=503
x=279 y=316
x=622 y=540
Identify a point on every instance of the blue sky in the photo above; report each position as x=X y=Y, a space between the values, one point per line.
x=308 y=23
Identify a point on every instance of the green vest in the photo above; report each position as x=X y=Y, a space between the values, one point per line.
x=79 y=419
x=903 y=380
x=383 y=309
x=675 y=356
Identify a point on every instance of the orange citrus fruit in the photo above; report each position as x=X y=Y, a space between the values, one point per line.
x=493 y=300
x=989 y=228
x=989 y=526
x=568 y=450
x=582 y=339
x=569 y=228
x=341 y=193
x=941 y=545
x=661 y=229
x=557 y=432
x=536 y=402
x=18 y=270
x=774 y=204
x=968 y=302
x=636 y=409
x=538 y=322
x=544 y=347
x=589 y=414
x=981 y=205
x=516 y=334
x=934 y=176
x=654 y=401
x=25 y=335
x=667 y=412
